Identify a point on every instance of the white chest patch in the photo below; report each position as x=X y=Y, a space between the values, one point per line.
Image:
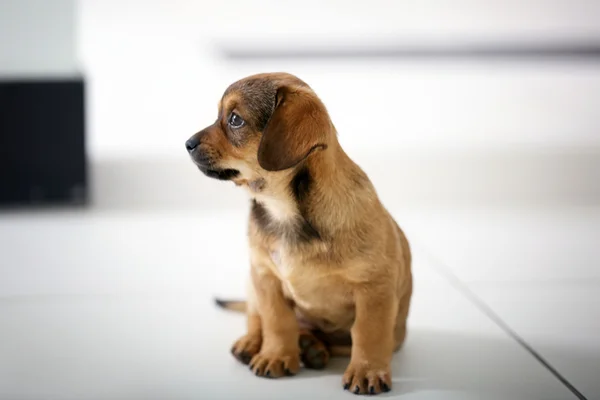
x=280 y=210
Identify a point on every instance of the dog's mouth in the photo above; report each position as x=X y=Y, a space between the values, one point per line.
x=218 y=173
x=207 y=165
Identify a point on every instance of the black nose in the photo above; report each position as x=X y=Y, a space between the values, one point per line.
x=192 y=143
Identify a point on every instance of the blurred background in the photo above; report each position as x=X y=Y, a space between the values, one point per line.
x=477 y=121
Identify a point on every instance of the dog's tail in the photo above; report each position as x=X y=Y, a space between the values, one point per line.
x=232 y=305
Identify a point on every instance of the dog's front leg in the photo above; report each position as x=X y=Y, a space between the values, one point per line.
x=372 y=341
x=280 y=352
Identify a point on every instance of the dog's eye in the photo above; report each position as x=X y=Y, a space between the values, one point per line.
x=235 y=121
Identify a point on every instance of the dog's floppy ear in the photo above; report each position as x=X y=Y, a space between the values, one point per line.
x=298 y=126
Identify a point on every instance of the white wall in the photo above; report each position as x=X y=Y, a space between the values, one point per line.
x=156 y=71
x=37 y=38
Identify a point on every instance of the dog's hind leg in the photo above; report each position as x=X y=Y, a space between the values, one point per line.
x=313 y=352
x=339 y=344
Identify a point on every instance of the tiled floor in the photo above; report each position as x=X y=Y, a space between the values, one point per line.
x=537 y=270
x=560 y=320
x=114 y=305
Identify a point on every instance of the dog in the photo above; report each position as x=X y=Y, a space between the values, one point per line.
x=330 y=269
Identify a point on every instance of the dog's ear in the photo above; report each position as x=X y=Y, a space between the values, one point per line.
x=299 y=125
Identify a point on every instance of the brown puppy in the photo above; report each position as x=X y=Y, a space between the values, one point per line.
x=330 y=268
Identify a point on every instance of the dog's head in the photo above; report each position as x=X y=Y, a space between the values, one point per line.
x=266 y=123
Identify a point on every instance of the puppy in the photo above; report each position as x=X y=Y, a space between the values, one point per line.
x=330 y=268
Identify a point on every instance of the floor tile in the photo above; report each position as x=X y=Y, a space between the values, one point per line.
x=561 y=321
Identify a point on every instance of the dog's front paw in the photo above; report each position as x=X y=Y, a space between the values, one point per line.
x=246 y=347
x=274 y=364
x=367 y=378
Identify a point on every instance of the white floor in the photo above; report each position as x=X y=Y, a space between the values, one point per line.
x=118 y=305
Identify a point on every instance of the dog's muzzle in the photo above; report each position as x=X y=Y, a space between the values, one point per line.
x=205 y=163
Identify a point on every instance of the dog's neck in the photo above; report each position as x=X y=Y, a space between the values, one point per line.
x=309 y=196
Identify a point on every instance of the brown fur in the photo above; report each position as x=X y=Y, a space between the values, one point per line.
x=326 y=256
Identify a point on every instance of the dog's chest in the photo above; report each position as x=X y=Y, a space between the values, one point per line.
x=304 y=285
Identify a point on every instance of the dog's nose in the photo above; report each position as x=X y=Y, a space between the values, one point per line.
x=192 y=143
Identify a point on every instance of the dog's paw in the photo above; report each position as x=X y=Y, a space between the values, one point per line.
x=314 y=354
x=365 y=378
x=246 y=347
x=275 y=364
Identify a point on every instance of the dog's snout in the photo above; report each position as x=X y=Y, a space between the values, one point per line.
x=192 y=143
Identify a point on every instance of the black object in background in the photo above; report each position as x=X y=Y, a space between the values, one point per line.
x=42 y=143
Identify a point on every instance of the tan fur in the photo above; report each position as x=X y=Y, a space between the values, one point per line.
x=350 y=274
